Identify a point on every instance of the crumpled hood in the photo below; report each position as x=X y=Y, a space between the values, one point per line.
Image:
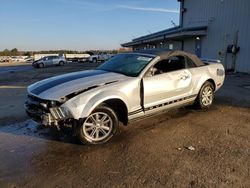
x=59 y=86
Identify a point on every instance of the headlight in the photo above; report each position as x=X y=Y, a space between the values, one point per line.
x=44 y=105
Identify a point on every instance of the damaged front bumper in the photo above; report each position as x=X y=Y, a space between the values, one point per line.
x=40 y=111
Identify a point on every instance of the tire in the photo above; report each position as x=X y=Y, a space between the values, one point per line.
x=205 y=97
x=61 y=63
x=40 y=65
x=94 y=60
x=93 y=131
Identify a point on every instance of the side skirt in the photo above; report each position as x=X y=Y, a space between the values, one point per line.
x=152 y=114
x=161 y=107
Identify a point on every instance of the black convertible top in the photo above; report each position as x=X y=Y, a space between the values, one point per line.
x=164 y=54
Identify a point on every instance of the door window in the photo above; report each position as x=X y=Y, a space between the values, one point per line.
x=190 y=63
x=173 y=63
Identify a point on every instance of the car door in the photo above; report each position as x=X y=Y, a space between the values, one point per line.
x=46 y=61
x=52 y=60
x=55 y=60
x=168 y=84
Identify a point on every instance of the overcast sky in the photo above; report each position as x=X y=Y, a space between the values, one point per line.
x=81 y=24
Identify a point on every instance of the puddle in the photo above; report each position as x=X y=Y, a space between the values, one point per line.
x=27 y=127
x=31 y=129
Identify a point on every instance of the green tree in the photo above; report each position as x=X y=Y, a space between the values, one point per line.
x=6 y=52
x=14 y=52
x=27 y=53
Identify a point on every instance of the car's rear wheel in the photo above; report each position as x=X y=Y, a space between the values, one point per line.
x=205 y=97
x=41 y=65
x=94 y=60
x=98 y=127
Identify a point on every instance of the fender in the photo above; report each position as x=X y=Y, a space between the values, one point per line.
x=204 y=73
x=200 y=84
x=81 y=107
x=100 y=98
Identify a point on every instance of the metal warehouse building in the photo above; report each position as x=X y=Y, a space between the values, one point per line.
x=214 y=29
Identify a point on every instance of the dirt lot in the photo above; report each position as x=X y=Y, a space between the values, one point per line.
x=15 y=81
x=148 y=153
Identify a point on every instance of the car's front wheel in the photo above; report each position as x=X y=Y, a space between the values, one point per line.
x=41 y=65
x=99 y=126
x=205 y=97
x=61 y=63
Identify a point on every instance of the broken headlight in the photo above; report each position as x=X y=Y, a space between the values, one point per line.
x=60 y=113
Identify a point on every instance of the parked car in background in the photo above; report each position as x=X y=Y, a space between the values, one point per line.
x=17 y=59
x=126 y=87
x=40 y=56
x=99 y=57
x=49 y=61
x=29 y=59
x=2 y=59
x=5 y=59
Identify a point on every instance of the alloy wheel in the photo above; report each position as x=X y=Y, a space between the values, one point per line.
x=97 y=126
x=207 y=96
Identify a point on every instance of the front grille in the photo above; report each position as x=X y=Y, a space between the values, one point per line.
x=34 y=108
x=45 y=111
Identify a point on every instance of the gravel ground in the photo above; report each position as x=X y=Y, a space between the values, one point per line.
x=180 y=148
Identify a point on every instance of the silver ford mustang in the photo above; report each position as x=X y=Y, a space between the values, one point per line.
x=127 y=87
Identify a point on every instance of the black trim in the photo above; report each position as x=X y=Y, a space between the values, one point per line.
x=135 y=112
x=170 y=102
x=161 y=105
x=142 y=94
x=64 y=79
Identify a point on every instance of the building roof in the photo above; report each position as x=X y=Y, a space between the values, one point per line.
x=174 y=33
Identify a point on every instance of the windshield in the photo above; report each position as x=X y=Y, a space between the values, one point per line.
x=127 y=64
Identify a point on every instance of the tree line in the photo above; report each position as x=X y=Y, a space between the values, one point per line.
x=16 y=52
